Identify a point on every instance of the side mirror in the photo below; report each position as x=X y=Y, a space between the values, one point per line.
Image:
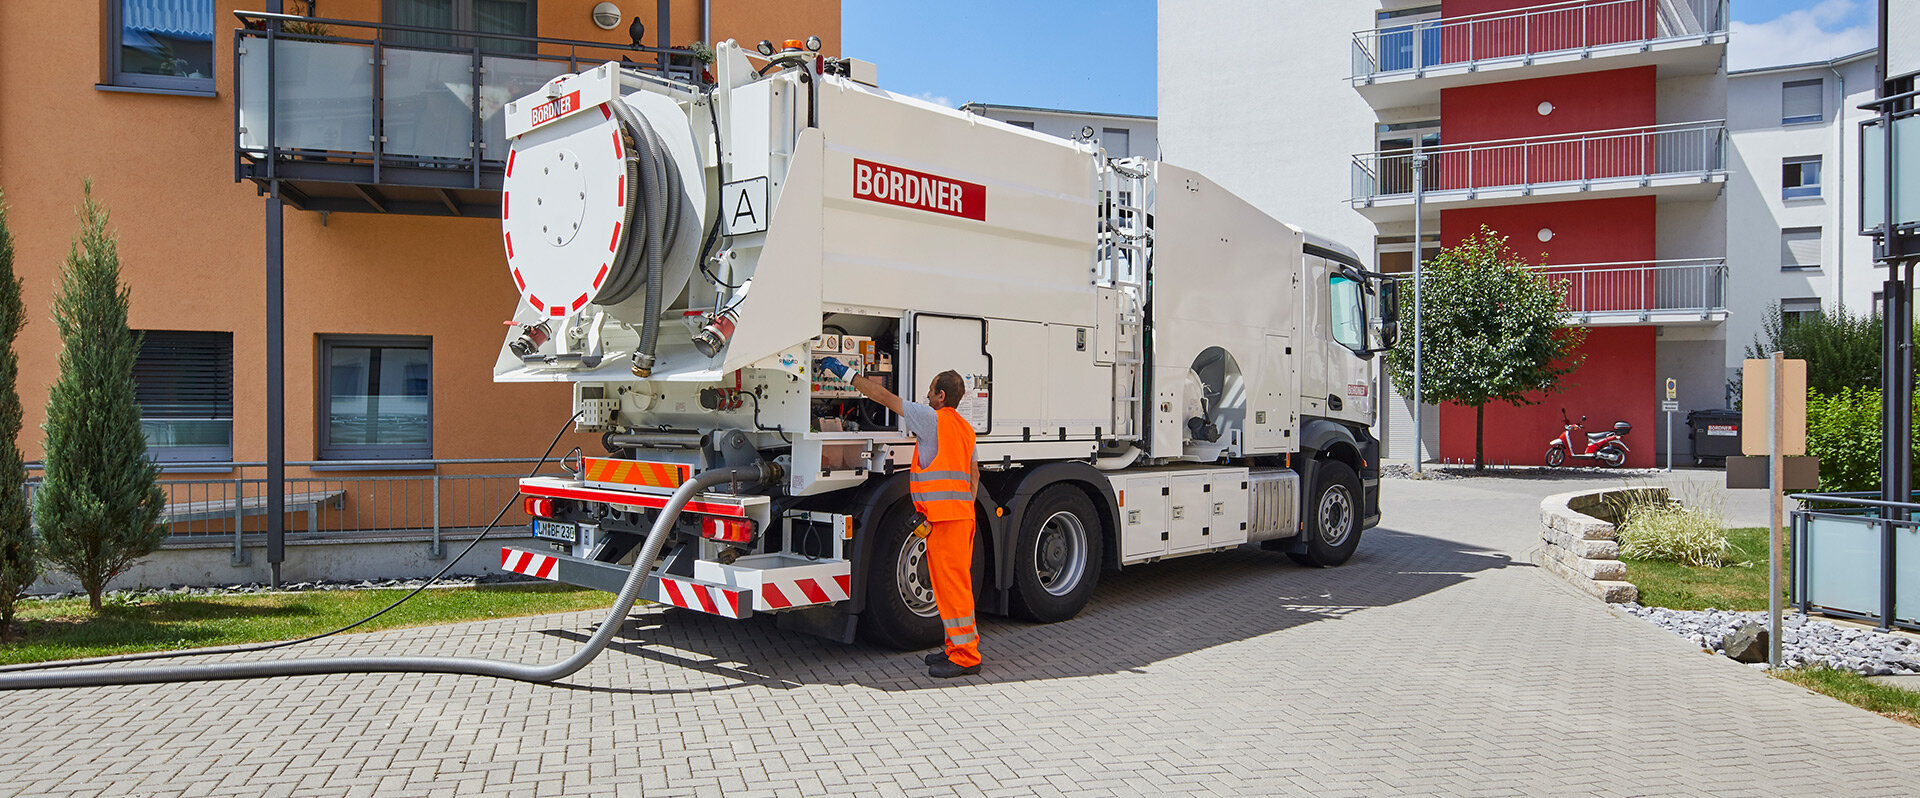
x=1389 y=313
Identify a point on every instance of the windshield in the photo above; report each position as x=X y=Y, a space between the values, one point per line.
x=1348 y=319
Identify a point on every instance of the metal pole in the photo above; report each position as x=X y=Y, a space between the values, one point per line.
x=276 y=385
x=1419 y=295
x=1776 y=476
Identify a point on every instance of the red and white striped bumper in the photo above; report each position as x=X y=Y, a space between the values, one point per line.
x=758 y=583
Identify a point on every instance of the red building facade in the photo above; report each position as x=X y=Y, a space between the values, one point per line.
x=1592 y=136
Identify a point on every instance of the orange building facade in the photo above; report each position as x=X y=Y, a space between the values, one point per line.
x=117 y=92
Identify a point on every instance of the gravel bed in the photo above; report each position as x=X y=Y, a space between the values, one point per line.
x=244 y=588
x=1804 y=642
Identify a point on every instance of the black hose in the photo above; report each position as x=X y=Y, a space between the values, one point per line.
x=629 y=592
x=201 y=652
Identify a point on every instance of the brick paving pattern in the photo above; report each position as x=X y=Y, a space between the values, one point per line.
x=1439 y=662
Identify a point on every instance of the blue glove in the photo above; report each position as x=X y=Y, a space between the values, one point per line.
x=833 y=366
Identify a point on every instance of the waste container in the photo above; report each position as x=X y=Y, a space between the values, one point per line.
x=1715 y=435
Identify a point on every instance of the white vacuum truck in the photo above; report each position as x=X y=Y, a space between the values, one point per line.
x=1154 y=367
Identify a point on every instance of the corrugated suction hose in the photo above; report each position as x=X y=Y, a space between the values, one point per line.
x=629 y=592
x=653 y=214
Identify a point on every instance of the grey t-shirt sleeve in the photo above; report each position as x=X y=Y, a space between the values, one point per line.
x=923 y=422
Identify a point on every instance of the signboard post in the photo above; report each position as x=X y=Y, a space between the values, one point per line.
x=1774 y=393
x=1669 y=406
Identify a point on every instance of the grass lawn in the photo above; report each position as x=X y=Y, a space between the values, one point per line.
x=1739 y=586
x=66 y=629
x=1893 y=702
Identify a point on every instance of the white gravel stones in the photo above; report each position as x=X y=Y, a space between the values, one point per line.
x=1803 y=641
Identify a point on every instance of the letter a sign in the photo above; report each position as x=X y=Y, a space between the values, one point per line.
x=743 y=206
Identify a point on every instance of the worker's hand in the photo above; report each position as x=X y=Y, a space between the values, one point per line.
x=839 y=370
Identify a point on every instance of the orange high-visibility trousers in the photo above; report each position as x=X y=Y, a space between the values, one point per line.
x=950 y=566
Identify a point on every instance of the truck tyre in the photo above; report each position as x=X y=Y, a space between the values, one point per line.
x=1056 y=558
x=1332 y=524
x=900 y=611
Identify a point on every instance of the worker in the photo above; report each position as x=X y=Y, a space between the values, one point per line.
x=945 y=481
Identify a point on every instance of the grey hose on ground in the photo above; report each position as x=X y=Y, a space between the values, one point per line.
x=315 y=666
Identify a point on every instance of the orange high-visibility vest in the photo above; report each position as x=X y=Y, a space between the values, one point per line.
x=943 y=491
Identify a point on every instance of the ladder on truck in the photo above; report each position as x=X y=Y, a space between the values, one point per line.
x=1121 y=265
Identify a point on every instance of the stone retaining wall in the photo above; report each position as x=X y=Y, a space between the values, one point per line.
x=1578 y=531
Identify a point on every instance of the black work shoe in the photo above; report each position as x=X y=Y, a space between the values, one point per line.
x=947 y=670
x=937 y=657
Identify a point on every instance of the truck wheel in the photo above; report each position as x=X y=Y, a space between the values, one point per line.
x=1056 y=559
x=1333 y=517
x=900 y=611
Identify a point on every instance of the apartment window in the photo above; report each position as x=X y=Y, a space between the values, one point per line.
x=184 y=384
x=162 y=44
x=376 y=398
x=1800 y=177
x=1117 y=141
x=1794 y=311
x=514 y=17
x=1409 y=37
x=1799 y=248
x=1800 y=102
x=1394 y=254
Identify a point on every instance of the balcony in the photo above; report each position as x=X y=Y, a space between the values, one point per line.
x=1409 y=64
x=1681 y=161
x=343 y=119
x=1669 y=292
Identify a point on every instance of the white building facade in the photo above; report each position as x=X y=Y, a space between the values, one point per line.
x=1121 y=135
x=1794 y=198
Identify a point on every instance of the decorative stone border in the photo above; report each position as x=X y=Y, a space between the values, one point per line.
x=1578 y=531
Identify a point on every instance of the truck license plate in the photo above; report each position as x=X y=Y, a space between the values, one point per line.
x=555 y=530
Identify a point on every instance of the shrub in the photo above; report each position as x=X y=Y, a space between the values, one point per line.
x=1843 y=430
x=1842 y=350
x=100 y=502
x=1652 y=528
x=19 y=555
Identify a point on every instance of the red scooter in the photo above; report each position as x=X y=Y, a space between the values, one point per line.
x=1607 y=447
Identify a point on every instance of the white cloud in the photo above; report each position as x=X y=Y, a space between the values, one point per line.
x=936 y=99
x=1815 y=33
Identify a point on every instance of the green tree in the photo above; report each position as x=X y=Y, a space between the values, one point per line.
x=1491 y=331
x=19 y=550
x=99 y=505
x=1842 y=350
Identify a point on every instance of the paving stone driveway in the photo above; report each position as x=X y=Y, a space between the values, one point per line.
x=1438 y=662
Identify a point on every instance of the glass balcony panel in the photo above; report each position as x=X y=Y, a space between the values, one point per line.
x=508 y=79
x=1843 y=563
x=427 y=105
x=1906 y=569
x=322 y=94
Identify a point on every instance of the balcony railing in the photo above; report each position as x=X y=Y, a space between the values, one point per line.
x=1519 y=36
x=1856 y=556
x=1630 y=156
x=1640 y=290
x=341 y=101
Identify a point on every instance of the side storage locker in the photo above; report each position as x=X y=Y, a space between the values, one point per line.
x=1190 y=513
x=1143 y=515
x=1229 y=507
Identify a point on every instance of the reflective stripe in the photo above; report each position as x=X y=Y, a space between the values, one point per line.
x=944 y=495
x=928 y=476
x=961 y=640
x=967 y=621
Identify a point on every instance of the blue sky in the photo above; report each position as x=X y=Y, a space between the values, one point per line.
x=1098 y=55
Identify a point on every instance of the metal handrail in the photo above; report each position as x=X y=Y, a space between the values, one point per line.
x=1564 y=26
x=1682 y=148
x=1640 y=288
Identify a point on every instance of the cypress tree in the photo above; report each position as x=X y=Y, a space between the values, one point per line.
x=19 y=555
x=99 y=505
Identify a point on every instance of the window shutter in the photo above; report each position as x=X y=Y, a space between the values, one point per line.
x=1800 y=101
x=1799 y=247
x=185 y=375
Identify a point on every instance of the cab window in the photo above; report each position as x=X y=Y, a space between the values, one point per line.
x=1348 y=318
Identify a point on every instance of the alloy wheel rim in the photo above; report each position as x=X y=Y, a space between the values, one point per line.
x=1060 y=553
x=910 y=574
x=1336 y=515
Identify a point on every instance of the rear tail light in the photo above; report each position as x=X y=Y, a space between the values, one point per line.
x=538 y=507
x=727 y=530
